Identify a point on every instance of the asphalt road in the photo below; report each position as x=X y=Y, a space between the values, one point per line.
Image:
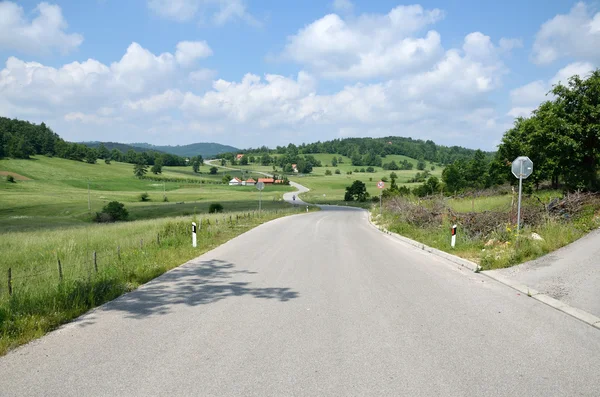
x=318 y=304
x=570 y=274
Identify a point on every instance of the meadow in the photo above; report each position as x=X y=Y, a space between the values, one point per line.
x=330 y=189
x=56 y=194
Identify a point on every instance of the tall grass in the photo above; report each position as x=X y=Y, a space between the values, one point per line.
x=127 y=255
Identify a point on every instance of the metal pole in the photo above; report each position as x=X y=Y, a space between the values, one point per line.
x=380 y=201
x=520 y=192
x=260 y=203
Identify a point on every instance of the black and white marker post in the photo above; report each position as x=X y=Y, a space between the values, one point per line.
x=194 y=240
x=453 y=241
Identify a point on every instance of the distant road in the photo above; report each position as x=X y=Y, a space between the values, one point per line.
x=318 y=304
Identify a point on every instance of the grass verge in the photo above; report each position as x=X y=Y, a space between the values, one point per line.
x=488 y=236
x=97 y=264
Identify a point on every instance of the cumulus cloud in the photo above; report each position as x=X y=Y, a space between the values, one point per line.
x=219 y=11
x=41 y=35
x=527 y=98
x=367 y=46
x=574 y=35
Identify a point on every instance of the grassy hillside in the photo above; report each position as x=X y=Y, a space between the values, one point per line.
x=56 y=194
x=205 y=149
x=123 y=147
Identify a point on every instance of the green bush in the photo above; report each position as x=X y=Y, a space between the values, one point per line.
x=327 y=172
x=338 y=171
x=10 y=178
x=144 y=197
x=215 y=208
x=112 y=212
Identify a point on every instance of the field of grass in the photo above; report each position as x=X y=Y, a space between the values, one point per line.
x=330 y=189
x=56 y=194
x=128 y=254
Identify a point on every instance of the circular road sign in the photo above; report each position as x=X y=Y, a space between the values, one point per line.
x=380 y=184
x=522 y=167
x=260 y=185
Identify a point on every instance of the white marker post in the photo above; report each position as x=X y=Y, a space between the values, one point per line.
x=380 y=186
x=453 y=242
x=194 y=240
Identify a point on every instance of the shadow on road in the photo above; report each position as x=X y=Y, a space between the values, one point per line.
x=193 y=284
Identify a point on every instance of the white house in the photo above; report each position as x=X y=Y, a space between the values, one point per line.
x=235 y=182
x=249 y=182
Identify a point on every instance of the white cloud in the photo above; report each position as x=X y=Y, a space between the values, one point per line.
x=166 y=100
x=189 y=51
x=572 y=35
x=527 y=98
x=367 y=46
x=41 y=35
x=343 y=6
x=220 y=11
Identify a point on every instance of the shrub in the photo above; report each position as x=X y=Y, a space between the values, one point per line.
x=10 y=178
x=349 y=173
x=356 y=170
x=370 y=169
x=215 y=208
x=144 y=197
x=113 y=211
x=362 y=170
x=327 y=172
x=337 y=171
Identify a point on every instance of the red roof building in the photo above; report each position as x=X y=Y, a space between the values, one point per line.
x=266 y=180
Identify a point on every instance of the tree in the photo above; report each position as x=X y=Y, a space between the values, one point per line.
x=337 y=171
x=107 y=160
x=453 y=178
x=157 y=167
x=244 y=160
x=140 y=169
x=421 y=165
x=334 y=162
x=251 y=159
x=223 y=162
x=111 y=212
x=116 y=155
x=356 y=192
x=91 y=156
x=103 y=152
x=196 y=166
x=327 y=172
x=288 y=168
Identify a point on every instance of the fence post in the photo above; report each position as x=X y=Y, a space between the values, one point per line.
x=95 y=262
x=60 y=272
x=9 y=281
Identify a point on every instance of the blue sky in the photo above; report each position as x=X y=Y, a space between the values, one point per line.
x=250 y=73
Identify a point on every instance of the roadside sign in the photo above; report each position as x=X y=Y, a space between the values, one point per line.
x=380 y=184
x=260 y=185
x=522 y=167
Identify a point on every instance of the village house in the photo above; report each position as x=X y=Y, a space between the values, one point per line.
x=267 y=181
x=239 y=157
x=235 y=182
x=249 y=182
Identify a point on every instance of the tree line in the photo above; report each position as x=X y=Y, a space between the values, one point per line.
x=22 y=139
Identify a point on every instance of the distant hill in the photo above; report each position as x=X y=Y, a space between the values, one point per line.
x=194 y=149
x=123 y=147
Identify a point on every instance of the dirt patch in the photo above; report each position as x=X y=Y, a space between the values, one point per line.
x=14 y=175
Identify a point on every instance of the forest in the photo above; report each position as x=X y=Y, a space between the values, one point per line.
x=22 y=139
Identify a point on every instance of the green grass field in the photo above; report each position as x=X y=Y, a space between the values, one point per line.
x=56 y=194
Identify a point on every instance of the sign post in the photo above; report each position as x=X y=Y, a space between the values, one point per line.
x=380 y=185
x=194 y=240
x=260 y=186
x=522 y=167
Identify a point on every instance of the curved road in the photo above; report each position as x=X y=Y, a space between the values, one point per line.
x=318 y=304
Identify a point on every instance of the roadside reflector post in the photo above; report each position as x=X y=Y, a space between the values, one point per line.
x=453 y=242
x=194 y=240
